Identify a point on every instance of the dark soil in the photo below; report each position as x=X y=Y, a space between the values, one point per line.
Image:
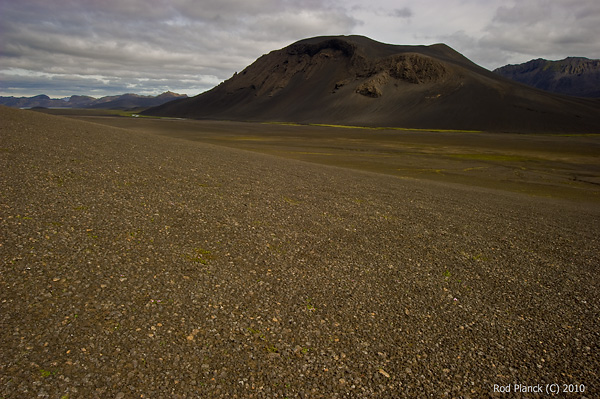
x=134 y=265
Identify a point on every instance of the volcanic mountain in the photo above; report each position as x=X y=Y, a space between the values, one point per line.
x=575 y=76
x=353 y=80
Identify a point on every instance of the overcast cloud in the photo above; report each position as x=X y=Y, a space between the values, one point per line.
x=98 y=48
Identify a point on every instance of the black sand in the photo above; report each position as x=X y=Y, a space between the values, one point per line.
x=134 y=265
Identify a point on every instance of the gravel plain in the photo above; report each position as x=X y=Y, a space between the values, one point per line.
x=140 y=266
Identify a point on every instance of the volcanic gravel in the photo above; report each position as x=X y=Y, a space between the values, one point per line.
x=134 y=265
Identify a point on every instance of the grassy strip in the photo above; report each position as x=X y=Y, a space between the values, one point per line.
x=575 y=134
x=373 y=127
x=282 y=123
x=398 y=128
x=490 y=157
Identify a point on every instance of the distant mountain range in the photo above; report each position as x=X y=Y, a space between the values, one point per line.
x=124 y=101
x=354 y=80
x=574 y=76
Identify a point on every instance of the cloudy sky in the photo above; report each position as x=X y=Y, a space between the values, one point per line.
x=105 y=47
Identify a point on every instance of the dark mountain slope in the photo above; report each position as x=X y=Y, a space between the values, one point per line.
x=353 y=80
x=574 y=76
x=130 y=100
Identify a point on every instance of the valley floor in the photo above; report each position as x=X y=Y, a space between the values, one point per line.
x=139 y=265
x=551 y=166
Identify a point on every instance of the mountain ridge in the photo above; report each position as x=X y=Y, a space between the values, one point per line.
x=354 y=80
x=123 y=101
x=574 y=76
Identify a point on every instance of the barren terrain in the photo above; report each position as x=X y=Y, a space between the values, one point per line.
x=135 y=263
x=551 y=165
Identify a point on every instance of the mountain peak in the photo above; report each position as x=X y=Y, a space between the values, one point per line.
x=575 y=76
x=354 y=80
x=123 y=101
x=170 y=94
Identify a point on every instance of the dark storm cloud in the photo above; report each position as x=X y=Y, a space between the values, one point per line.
x=404 y=12
x=195 y=44
x=520 y=31
x=492 y=33
x=548 y=28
